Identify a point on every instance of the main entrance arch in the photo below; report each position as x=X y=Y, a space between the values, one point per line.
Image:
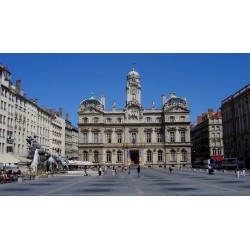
x=134 y=156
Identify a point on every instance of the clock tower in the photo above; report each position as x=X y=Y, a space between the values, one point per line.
x=133 y=109
x=133 y=87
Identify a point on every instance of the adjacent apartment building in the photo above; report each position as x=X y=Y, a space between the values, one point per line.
x=153 y=137
x=207 y=137
x=236 y=124
x=21 y=117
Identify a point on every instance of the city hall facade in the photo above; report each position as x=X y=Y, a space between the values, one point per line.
x=134 y=135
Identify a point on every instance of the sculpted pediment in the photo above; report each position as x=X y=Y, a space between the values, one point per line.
x=175 y=108
x=133 y=110
x=91 y=109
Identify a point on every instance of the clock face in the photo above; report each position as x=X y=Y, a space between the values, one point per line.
x=133 y=91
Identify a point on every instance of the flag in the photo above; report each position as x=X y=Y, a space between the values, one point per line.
x=128 y=156
x=133 y=141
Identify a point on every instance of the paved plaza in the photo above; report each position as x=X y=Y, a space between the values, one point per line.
x=152 y=182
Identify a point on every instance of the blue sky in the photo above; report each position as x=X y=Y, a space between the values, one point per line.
x=64 y=80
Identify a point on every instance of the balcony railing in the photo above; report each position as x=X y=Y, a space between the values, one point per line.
x=10 y=141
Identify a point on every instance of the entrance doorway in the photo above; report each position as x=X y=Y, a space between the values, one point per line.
x=134 y=155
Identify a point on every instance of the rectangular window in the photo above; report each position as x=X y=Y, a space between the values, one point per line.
x=149 y=156
x=108 y=137
x=172 y=136
x=148 y=137
x=183 y=136
x=85 y=137
x=119 y=156
x=96 y=138
x=119 y=137
x=159 y=137
x=108 y=158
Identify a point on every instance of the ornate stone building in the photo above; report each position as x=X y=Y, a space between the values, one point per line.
x=236 y=125
x=207 y=137
x=21 y=117
x=152 y=137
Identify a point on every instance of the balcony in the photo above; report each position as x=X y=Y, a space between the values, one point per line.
x=10 y=141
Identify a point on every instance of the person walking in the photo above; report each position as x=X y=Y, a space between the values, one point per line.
x=105 y=170
x=170 y=169
x=129 y=169
x=138 y=170
x=115 y=170
x=237 y=171
x=100 y=170
x=244 y=171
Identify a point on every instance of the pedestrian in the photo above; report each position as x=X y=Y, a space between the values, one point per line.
x=105 y=170
x=129 y=169
x=113 y=170
x=244 y=171
x=85 y=171
x=237 y=171
x=138 y=170
x=100 y=171
x=170 y=169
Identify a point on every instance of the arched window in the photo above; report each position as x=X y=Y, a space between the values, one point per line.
x=119 y=120
x=119 y=156
x=85 y=120
x=160 y=155
x=109 y=120
x=171 y=118
x=108 y=156
x=183 y=155
x=85 y=155
x=96 y=156
x=95 y=120
x=148 y=119
x=149 y=156
x=172 y=155
x=182 y=119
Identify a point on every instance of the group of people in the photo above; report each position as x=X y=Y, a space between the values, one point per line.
x=103 y=170
x=241 y=172
x=8 y=176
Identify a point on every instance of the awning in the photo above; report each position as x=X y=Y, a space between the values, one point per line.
x=8 y=159
x=11 y=158
x=217 y=157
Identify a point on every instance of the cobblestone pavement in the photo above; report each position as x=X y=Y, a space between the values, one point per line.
x=152 y=182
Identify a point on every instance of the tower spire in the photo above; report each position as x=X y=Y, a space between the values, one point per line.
x=133 y=65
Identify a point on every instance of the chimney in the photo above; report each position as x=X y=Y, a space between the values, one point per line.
x=67 y=116
x=210 y=111
x=163 y=99
x=199 y=119
x=103 y=101
x=60 y=112
x=18 y=86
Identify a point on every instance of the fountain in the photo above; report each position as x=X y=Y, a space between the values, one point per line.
x=43 y=160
